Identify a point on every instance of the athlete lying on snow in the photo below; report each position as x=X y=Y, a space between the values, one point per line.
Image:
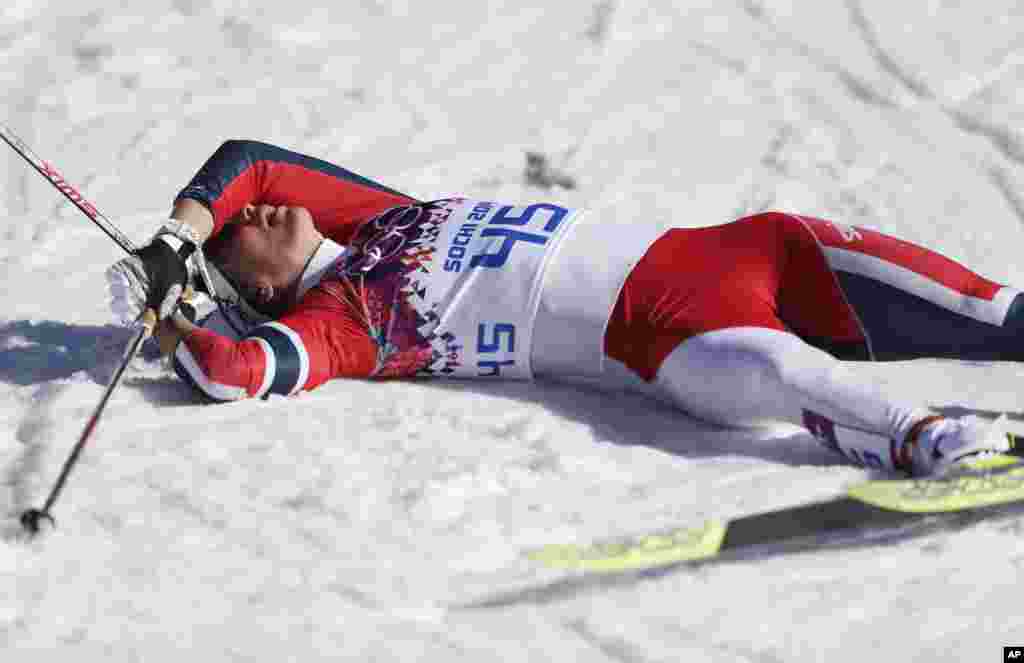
x=758 y=319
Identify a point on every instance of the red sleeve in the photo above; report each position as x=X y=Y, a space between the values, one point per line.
x=241 y=172
x=317 y=341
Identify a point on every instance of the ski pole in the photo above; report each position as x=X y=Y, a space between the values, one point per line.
x=70 y=192
x=30 y=518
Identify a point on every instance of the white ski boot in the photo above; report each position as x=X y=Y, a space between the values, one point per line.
x=936 y=444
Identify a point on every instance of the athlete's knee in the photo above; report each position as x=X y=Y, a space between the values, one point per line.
x=796 y=365
x=780 y=219
x=767 y=216
x=781 y=224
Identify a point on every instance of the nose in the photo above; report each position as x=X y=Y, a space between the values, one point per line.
x=258 y=215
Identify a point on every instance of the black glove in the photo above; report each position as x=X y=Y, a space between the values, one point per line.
x=166 y=271
x=153 y=277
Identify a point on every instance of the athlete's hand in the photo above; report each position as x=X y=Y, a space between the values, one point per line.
x=177 y=326
x=155 y=277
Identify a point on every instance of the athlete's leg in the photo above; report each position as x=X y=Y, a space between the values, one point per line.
x=914 y=302
x=746 y=375
x=749 y=374
x=713 y=343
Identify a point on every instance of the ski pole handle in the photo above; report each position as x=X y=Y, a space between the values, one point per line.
x=148 y=320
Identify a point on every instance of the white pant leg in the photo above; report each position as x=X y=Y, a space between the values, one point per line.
x=749 y=374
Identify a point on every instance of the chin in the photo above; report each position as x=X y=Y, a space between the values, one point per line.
x=272 y=309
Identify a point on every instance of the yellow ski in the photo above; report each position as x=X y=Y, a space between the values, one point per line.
x=986 y=482
x=639 y=552
x=871 y=511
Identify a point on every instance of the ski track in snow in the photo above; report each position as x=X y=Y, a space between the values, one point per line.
x=386 y=521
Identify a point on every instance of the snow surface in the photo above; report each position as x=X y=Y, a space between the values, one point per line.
x=387 y=522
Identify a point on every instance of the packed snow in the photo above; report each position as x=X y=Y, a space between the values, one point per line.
x=389 y=521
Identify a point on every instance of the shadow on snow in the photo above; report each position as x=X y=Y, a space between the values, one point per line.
x=38 y=352
x=632 y=419
x=33 y=353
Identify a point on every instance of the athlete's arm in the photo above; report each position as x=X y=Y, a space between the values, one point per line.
x=243 y=172
x=314 y=343
x=194 y=214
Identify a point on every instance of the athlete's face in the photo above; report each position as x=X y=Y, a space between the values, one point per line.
x=267 y=249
